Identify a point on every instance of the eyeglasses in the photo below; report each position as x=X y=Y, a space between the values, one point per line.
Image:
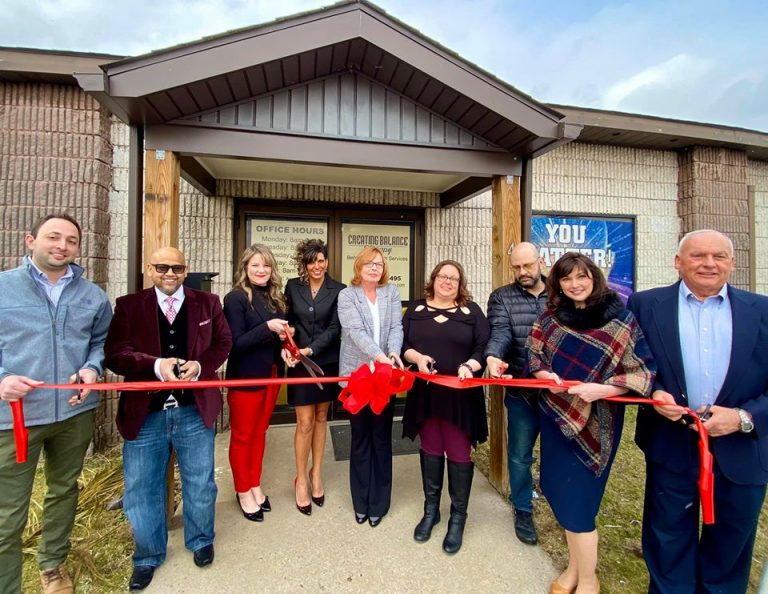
x=448 y=279
x=164 y=268
x=529 y=266
x=374 y=265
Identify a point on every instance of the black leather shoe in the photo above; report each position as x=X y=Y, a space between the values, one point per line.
x=257 y=516
x=141 y=577
x=375 y=521
x=360 y=519
x=319 y=501
x=203 y=556
x=525 y=529
x=265 y=505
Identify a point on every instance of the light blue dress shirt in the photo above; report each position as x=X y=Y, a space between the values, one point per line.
x=51 y=290
x=706 y=335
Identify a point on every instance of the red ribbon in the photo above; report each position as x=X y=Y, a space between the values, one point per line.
x=375 y=388
x=20 y=431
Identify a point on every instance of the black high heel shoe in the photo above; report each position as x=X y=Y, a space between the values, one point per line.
x=319 y=500
x=360 y=519
x=305 y=509
x=265 y=505
x=257 y=516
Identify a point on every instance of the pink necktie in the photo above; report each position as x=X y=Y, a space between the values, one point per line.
x=170 y=313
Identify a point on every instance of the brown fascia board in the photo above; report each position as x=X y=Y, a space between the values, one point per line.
x=205 y=59
x=464 y=190
x=53 y=64
x=201 y=141
x=197 y=175
x=671 y=127
x=209 y=60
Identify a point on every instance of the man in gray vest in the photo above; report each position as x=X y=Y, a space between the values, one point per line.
x=512 y=310
x=54 y=322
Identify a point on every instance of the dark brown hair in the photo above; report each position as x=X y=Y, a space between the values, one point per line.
x=563 y=267
x=307 y=252
x=463 y=296
x=57 y=215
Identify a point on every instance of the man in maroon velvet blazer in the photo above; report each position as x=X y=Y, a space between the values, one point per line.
x=169 y=333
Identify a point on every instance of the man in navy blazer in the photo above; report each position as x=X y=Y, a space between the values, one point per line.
x=168 y=333
x=710 y=342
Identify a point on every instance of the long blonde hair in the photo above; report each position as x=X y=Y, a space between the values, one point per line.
x=275 y=297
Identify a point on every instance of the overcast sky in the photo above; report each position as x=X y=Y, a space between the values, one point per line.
x=700 y=60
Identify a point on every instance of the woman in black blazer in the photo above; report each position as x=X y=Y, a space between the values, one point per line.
x=255 y=312
x=312 y=312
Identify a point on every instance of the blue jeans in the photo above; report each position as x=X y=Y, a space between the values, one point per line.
x=522 y=431
x=145 y=463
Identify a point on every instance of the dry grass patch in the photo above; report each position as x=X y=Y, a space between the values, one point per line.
x=100 y=559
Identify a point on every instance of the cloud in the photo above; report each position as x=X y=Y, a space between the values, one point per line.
x=680 y=70
x=704 y=60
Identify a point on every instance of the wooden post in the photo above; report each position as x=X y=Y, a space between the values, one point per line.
x=506 y=217
x=161 y=229
x=161 y=202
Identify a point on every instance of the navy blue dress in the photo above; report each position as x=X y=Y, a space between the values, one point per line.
x=601 y=344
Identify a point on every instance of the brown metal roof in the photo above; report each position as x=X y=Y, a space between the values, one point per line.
x=354 y=36
x=624 y=129
x=20 y=64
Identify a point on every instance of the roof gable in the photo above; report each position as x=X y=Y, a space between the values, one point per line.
x=348 y=105
x=213 y=73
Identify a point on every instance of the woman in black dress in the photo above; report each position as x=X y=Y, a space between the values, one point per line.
x=312 y=312
x=445 y=333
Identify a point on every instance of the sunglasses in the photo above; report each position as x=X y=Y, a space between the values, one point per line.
x=163 y=268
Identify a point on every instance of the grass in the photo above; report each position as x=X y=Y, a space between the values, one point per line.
x=100 y=560
x=620 y=563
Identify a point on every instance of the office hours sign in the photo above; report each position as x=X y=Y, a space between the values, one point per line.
x=608 y=241
x=282 y=235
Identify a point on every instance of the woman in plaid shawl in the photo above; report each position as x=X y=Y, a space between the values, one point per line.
x=586 y=334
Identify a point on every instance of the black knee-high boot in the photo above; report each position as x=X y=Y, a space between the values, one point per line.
x=459 y=486
x=432 y=471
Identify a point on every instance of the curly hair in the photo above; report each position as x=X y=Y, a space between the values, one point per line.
x=563 y=267
x=307 y=252
x=275 y=297
x=367 y=254
x=463 y=296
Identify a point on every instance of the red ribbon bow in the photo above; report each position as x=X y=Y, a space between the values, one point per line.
x=374 y=387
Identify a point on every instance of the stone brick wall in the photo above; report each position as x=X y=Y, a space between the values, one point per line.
x=612 y=180
x=757 y=177
x=55 y=155
x=713 y=195
x=206 y=234
x=463 y=233
x=118 y=210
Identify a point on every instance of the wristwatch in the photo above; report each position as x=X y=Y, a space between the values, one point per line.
x=746 y=425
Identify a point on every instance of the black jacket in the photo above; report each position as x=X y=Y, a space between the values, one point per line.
x=255 y=348
x=316 y=321
x=511 y=313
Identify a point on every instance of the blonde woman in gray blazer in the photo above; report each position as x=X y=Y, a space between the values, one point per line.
x=371 y=314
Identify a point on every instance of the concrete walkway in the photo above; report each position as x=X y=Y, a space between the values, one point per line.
x=329 y=552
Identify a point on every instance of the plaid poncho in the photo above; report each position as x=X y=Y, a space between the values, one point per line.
x=601 y=344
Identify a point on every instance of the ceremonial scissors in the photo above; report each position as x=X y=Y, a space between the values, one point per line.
x=294 y=353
